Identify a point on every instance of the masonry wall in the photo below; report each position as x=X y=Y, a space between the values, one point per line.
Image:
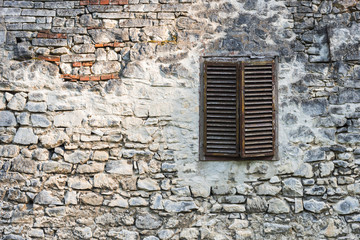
x=99 y=120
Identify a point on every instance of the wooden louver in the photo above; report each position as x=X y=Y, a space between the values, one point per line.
x=258 y=110
x=221 y=110
x=239 y=116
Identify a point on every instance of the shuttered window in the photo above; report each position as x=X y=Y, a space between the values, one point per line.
x=239 y=110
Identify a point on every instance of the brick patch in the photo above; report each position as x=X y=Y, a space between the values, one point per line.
x=48 y=34
x=84 y=64
x=103 y=2
x=70 y=77
x=114 y=44
x=50 y=58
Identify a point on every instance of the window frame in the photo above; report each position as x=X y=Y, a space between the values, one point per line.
x=238 y=61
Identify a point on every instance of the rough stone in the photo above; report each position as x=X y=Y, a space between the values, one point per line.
x=148 y=221
x=70 y=198
x=189 y=233
x=200 y=190
x=100 y=156
x=347 y=206
x=102 y=180
x=36 y=107
x=106 y=67
x=69 y=119
x=268 y=189
x=238 y=224
x=93 y=167
x=274 y=228
x=256 y=204
x=17 y=196
x=23 y=165
x=9 y=150
x=314 y=155
x=53 y=139
x=156 y=201
x=183 y=206
x=123 y=234
x=83 y=232
x=36 y=233
x=277 y=205
x=46 y=198
x=118 y=201
x=122 y=167
x=25 y=136
x=314 y=206
x=39 y=120
x=24 y=118
x=56 y=167
x=79 y=183
x=77 y=157
x=7 y=119
x=304 y=170
x=292 y=187
x=234 y=208
x=17 y=103
x=40 y=154
x=148 y=184
x=91 y=199
x=138 y=201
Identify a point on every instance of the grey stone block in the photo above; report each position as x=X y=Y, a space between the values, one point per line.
x=19 y=4
x=78 y=58
x=39 y=120
x=25 y=136
x=7 y=119
x=49 y=42
x=38 y=12
x=19 y=19
x=69 y=12
x=36 y=106
x=10 y=11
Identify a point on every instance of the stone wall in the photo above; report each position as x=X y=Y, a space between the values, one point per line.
x=99 y=120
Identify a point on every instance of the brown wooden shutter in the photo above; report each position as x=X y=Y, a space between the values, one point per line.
x=258 y=109
x=221 y=105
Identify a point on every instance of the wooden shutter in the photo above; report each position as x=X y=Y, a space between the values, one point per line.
x=258 y=109
x=221 y=109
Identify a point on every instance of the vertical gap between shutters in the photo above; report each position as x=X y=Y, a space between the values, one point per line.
x=242 y=110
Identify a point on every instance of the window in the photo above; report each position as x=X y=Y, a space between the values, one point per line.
x=239 y=110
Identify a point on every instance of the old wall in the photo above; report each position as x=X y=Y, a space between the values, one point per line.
x=99 y=120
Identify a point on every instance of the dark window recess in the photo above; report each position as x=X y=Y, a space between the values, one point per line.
x=239 y=110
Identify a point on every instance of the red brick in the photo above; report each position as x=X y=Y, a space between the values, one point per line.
x=87 y=64
x=42 y=35
x=94 y=2
x=67 y=76
x=118 y=44
x=84 y=2
x=104 y=2
x=76 y=64
x=118 y=2
x=59 y=35
x=75 y=77
x=84 y=78
x=94 y=78
x=99 y=45
x=106 y=77
x=115 y=76
x=50 y=58
x=108 y=44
